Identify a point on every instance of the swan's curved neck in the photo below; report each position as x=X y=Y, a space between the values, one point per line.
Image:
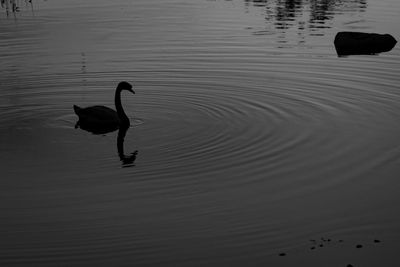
x=118 y=105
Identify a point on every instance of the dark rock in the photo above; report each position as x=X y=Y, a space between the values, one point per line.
x=359 y=246
x=377 y=241
x=282 y=254
x=360 y=43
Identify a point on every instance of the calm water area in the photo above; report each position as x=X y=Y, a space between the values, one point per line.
x=250 y=137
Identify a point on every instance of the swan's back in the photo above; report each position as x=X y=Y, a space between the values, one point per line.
x=97 y=115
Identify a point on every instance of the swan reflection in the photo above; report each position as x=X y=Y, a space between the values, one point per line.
x=126 y=160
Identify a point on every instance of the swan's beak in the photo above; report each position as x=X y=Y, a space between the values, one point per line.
x=131 y=90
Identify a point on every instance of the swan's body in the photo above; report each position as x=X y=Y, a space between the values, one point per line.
x=97 y=115
x=101 y=119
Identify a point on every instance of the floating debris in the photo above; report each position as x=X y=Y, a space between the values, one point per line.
x=282 y=254
x=359 y=246
x=377 y=241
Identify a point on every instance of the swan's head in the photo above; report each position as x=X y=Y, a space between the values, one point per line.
x=125 y=86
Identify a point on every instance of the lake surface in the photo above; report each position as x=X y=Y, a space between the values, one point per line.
x=250 y=137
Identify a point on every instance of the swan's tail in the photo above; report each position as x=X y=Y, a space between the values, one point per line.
x=77 y=109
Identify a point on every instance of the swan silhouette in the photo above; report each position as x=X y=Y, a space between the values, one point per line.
x=101 y=119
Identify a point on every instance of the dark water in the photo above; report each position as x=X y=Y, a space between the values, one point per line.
x=252 y=135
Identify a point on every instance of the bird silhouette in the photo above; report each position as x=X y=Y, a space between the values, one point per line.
x=101 y=119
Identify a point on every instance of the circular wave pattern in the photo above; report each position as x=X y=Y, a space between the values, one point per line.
x=244 y=146
x=283 y=134
x=245 y=126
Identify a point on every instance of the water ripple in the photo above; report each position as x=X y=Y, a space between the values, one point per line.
x=252 y=135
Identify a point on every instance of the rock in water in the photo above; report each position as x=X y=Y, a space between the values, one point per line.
x=360 y=43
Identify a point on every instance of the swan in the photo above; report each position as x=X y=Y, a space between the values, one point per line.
x=101 y=119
